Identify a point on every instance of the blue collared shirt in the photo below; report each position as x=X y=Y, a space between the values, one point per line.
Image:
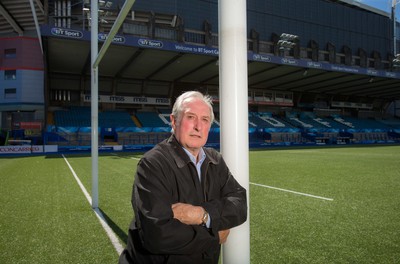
x=202 y=156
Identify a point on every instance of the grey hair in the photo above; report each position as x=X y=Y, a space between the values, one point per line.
x=179 y=105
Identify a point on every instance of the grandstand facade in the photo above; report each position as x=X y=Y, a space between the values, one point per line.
x=319 y=71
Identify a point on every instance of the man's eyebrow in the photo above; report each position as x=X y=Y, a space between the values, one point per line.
x=192 y=113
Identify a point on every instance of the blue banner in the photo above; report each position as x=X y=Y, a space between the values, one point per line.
x=142 y=42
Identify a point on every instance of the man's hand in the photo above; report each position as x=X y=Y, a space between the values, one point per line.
x=188 y=214
x=223 y=236
x=192 y=215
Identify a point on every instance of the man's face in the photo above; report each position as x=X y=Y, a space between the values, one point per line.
x=192 y=131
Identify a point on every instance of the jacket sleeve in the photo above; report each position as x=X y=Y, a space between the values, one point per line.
x=159 y=231
x=228 y=206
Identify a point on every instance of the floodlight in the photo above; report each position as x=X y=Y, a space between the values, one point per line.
x=286 y=44
x=289 y=37
x=108 y=4
x=396 y=61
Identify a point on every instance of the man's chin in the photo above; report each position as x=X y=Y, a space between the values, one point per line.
x=197 y=145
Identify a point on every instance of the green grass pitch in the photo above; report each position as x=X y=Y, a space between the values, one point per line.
x=45 y=217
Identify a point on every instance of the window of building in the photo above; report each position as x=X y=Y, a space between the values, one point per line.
x=10 y=53
x=10 y=75
x=10 y=93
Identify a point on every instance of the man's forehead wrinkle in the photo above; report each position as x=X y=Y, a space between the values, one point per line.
x=188 y=112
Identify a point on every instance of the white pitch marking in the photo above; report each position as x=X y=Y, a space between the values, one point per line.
x=78 y=181
x=110 y=233
x=299 y=193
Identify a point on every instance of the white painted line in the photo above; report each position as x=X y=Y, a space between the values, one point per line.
x=113 y=237
x=110 y=233
x=78 y=181
x=299 y=193
x=135 y=158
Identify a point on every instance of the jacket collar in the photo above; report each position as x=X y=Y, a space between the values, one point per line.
x=180 y=156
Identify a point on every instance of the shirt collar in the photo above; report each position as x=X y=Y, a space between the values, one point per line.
x=202 y=155
x=177 y=151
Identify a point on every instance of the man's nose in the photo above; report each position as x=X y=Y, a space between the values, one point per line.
x=197 y=125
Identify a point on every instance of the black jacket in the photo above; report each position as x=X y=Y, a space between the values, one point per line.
x=165 y=175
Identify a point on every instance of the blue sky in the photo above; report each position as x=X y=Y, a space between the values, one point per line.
x=385 y=5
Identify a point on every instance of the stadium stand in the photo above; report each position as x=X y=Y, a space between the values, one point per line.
x=152 y=119
x=80 y=117
x=72 y=127
x=319 y=91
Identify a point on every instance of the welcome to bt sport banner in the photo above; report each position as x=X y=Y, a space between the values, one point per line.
x=128 y=40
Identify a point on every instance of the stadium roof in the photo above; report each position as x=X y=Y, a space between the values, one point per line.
x=73 y=57
x=68 y=56
x=360 y=5
x=17 y=16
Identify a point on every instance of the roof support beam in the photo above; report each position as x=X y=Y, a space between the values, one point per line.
x=211 y=62
x=36 y=24
x=165 y=65
x=128 y=63
x=11 y=20
x=40 y=6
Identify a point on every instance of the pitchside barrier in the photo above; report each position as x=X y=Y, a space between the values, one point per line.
x=257 y=139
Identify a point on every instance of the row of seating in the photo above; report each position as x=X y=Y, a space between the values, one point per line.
x=268 y=120
x=153 y=119
x=80 y=117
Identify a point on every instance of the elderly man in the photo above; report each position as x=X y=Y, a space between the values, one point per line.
x=184 y=198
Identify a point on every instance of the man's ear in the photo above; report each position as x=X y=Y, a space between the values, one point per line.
x=173 y=121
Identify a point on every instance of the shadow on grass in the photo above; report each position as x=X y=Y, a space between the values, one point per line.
x=117 y=230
